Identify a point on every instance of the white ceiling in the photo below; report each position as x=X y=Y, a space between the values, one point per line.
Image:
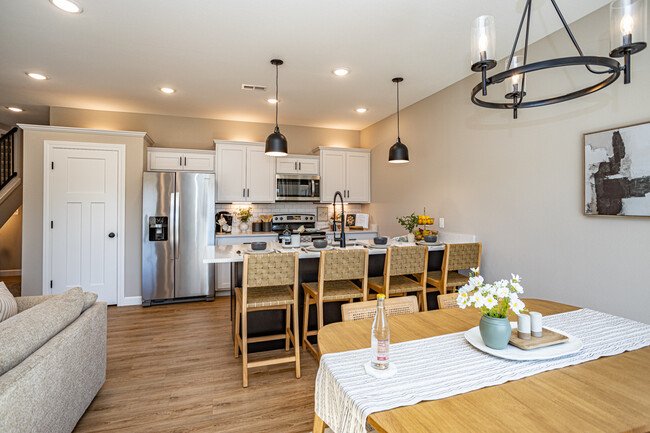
x=117 y=53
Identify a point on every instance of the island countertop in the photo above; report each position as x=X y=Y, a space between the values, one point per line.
x=228 y=253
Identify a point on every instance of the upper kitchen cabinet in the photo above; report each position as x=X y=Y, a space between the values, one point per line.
x=297 y=164
x=164 y=159
x=244 y=173
x=345 y=170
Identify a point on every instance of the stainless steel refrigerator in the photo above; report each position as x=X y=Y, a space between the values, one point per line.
x=178 y=224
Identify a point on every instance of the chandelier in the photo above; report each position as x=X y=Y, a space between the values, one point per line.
x=627 y=33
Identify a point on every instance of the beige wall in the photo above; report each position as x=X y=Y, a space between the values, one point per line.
x=186 y=132
x=32 y=257
x=518 y=184
x=10 y=242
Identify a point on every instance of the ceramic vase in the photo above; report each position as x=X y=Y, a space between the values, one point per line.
x=410 y=237
x=243 y=227
x=495 y=332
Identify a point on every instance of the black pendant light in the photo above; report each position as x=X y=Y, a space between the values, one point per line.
x=276 y=143
x=628 y=32
x=398 y=153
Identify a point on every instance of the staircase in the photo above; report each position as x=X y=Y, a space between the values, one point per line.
x=10 y=183
x=7 y=157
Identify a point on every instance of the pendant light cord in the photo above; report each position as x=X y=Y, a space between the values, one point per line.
x=277 y=101
x=398 y=139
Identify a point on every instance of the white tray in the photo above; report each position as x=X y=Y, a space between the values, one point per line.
x=252 y=251
x=317 y=250
x=379 y=247
x=473 y=336
x=430 y=244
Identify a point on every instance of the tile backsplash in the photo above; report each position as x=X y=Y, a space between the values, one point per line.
x=286 y=207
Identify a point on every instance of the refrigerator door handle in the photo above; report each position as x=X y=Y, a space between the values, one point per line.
x=177 y=221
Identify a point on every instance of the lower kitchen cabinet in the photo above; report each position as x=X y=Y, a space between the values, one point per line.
x=222 y=270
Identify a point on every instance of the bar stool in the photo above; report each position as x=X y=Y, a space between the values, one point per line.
x=335 y=270
x=402 y=261
x=269 y=282
x=456 y=257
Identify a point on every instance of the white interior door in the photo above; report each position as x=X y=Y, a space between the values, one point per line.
x=83 y=200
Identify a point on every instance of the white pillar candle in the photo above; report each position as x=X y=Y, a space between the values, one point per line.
x=536 y=323
x=523 y=326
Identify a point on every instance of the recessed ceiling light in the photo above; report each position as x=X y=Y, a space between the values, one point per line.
x=36 y=76
x=361 y=110
x=67 y=6
x=15 y=109
x=167 y=90
x=341 y=72
x=272 y=101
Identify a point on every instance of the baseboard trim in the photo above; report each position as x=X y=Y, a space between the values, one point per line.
x=10 y=272
x=130 y=300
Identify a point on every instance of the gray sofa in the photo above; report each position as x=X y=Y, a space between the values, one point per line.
x=51 y=389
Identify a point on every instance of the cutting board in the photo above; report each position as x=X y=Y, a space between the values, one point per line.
x=548 y=338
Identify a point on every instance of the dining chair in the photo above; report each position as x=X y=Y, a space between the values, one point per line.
x=336 y=269
x=448 y=300
x=269 y=282
x=456 y=257
x=368 y=309
x=400 y=262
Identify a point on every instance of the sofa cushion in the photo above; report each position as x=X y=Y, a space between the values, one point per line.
x=24 y=333
x=89 y=300
x=8 y=306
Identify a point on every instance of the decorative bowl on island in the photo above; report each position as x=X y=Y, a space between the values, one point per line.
x=319 y=243
x=380 y=240
x=430 y=238
x=258 y=246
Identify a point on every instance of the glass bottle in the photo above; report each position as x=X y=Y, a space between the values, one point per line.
x=380 y=339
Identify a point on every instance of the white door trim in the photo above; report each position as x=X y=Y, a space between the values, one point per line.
x=49 y=145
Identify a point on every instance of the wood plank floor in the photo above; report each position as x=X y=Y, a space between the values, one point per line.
x=171 y=368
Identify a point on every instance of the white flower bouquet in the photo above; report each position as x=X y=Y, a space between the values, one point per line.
x=494 y=300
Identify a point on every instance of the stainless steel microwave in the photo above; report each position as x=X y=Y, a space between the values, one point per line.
x=296 y=187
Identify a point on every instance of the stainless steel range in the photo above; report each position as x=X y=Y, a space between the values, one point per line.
x=293 y=222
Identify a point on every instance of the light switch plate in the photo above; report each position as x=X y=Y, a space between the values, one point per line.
x=442 y=223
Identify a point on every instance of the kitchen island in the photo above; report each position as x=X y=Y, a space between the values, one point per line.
x=272 y=322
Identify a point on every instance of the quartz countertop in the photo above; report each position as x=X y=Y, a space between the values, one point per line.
x=247 y=234
x=228 y=253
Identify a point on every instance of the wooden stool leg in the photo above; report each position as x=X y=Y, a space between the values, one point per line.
x=305 y=321
x=287 y=327
x=237 y=327
x=319 y=425
x=320 y=314
x=296 y=346
x=244 y=330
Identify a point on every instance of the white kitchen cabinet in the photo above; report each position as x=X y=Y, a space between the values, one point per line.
x=164 y=159
x=307 y=165
x=244 y=173
x=347 y=171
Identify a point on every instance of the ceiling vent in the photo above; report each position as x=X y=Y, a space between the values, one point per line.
x=253 y=87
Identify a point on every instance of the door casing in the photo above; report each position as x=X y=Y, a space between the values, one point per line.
x=49 y=145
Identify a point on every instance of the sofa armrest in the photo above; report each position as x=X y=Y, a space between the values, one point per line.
x=26 y=302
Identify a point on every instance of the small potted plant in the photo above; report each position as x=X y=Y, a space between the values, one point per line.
x=496 y=301
x=409 y=222
x=244 y=215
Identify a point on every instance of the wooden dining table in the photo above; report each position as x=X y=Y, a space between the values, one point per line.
x=609 y=394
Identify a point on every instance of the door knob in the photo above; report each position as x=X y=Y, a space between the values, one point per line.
x=111 y=235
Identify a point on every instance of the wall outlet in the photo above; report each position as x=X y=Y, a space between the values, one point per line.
x=441 y=222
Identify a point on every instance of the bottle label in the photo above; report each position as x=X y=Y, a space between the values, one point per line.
x=381 y=350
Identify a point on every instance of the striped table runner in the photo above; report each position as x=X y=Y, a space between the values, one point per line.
x=345 y=395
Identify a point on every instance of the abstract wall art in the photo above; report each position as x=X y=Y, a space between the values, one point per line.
x=617 y=171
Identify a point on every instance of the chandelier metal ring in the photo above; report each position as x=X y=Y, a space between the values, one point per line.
x=614 y=72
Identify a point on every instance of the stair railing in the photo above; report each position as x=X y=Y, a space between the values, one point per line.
x=7 y=157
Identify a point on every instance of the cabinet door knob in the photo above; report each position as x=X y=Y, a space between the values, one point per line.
x=111 y=235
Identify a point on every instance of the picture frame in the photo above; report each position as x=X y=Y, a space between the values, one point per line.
x=616 y=171
x=322 y=214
